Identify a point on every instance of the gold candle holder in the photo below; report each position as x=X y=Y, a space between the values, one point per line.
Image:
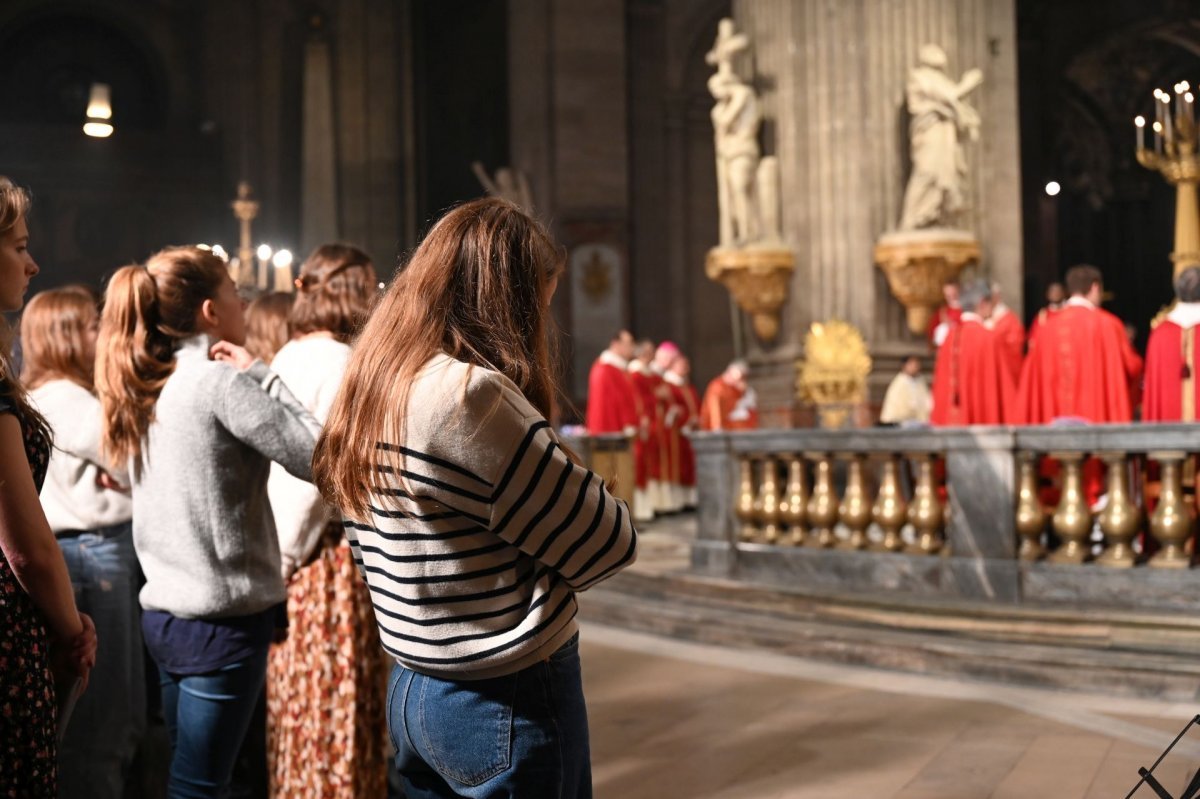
x=823 y=504
x=1174 y=157
x=1120 y=518
x=890 y=510
x=855 y=510
x=1031 y=516
x=1173 y=518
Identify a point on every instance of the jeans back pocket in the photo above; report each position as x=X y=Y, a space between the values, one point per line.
x=467 y=726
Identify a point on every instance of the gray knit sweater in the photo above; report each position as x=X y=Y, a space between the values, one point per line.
x=202 y=525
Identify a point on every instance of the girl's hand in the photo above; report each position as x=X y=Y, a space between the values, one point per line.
x=232 y=353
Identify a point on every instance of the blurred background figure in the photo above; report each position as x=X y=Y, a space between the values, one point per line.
x=729 y=402
x=908 y=400
x=268 y=325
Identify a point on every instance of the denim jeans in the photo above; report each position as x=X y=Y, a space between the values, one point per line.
x=207 y=717
x=110 y=719
x=521 y=735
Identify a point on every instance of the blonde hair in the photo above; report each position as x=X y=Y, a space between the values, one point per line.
x=147 y=311
x=54 y=327
x=267 y=325
x=337 y=286
x=14 y=205
x=475 y=289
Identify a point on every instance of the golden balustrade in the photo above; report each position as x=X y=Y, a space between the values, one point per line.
x=1031 y=516
x=1072 y=518
x=1121 y=518
x=925 y=513
x=890 y=510
x=855 y=509
x=766 y=504
x=793 y=508
x=823 y=503
x=1174 y=519
x=745 y=501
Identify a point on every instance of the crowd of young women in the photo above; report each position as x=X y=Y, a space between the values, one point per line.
x=285 y=510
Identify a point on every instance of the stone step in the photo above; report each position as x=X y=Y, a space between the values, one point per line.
x=1125 y=654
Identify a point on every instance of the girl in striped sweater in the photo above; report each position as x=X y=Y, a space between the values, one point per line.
x=471 y=523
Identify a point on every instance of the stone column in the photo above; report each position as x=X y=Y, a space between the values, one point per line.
x=318 y=165
x=831 y=76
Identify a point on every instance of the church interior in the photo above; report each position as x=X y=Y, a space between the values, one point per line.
x=814 y=205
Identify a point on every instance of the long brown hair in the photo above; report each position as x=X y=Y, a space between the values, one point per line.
x=475 y=289
x=147 y=311
x=336 y=287
x=54 y=328
x=14 y=206
x=268 y=325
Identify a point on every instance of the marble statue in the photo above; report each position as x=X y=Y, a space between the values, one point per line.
x=935 y=194
x=736 y=119
x=510 y=184
x=727 y=45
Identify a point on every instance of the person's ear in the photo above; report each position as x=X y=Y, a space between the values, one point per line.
x=209 y=316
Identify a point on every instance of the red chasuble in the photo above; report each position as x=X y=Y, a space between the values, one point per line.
x=1011 y=333
x=1171 y=394
x=683 y=398
x=647 y=449
x=720 y=400
x=1080 y=365
x=945 y=315
x=612 y=404
x=971 y=384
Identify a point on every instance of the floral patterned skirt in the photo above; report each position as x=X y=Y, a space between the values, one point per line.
x=28 y=740
x=326 y=730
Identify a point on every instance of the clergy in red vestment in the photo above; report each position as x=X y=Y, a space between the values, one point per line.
x=729 y=403
x=685 y=399
x=648 y=445
x=971 y=381
x=613 y=404
x=666 y=500
x=1080 y=364
x=1171 y=394
x=946 y=315
x=1009 y=331
x=1055 y=296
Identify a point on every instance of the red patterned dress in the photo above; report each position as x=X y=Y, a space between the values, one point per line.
x=28 y=744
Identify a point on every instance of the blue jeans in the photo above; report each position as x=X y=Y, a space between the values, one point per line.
x=521 y=735
x=207 y=716
x=110 y=719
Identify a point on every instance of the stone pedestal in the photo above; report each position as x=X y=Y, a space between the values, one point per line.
x=919 y=262
x=758 y=279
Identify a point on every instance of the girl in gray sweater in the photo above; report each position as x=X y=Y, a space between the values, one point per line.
x=198 y=421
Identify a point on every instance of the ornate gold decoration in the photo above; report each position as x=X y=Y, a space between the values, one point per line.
x=919 y=263
x=855 y=509
x=1173 y=517
x=823 y=504
x=1072 y=518
x=597 y=277
x=1175 y=158
x=1120 y=518
x=793 y=508
x=758 y=279
x=1031 y=516
x=926 y=513
x=745 y=500
x=833 y=374
x=890 y=510
x=766 y=505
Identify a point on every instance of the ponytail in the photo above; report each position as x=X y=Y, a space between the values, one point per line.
x=147 y=311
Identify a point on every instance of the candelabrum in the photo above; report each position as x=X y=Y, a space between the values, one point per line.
x=245 y=209
x=1173 y=155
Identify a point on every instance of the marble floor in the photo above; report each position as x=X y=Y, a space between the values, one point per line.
x=674 y=719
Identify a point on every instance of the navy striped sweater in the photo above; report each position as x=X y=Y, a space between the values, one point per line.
x=474 y=552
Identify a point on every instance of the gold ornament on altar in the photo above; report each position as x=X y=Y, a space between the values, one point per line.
x=1174 y=156
x=833 y=374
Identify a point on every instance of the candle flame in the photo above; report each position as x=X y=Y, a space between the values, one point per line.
x=1140 y=121
x=1158 y=127
x=1188 y=97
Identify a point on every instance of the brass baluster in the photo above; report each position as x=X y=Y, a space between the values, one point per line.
x=794 y=506
x=1173 y=518
x=855 y=509
x=1072 y=518
x=1031 y=516
x=890 y=510
x=1120 y=518
x=745 y=500
x=926 y=513
x=823 y=504
x=766 y=506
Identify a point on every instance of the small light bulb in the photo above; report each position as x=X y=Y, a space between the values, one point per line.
x=1052 y=188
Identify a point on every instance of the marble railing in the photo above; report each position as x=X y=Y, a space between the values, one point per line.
x=993 y=513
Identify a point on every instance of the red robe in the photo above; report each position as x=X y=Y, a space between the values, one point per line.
x=720 y=399
x=1040 y=319
x=647 y=447
x=971 y=383
x=683 y=457
x=1171 y=376
x=1080 y=365
x=1011 y=333
x=612 y=403
x=943 y=315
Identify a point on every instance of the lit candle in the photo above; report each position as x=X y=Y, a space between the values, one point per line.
x=1168 y=131
x=263 y=282
x=1190 y=100
x=283 y=271
x=1140 y=122
x=1158 y=137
